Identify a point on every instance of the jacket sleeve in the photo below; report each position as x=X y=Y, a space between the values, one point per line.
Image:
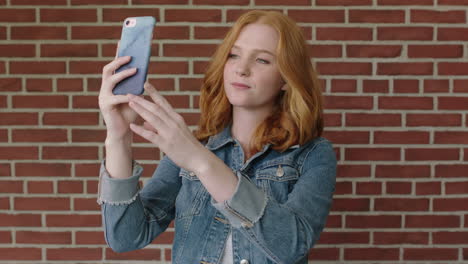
x=286 y=231
x=133 y=218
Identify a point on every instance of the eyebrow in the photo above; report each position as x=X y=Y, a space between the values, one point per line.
x=257 y=50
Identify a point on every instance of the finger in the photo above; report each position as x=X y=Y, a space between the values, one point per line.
x=110 y=83
x=148 y=116
x=159 y=99
x=113 y=100
x=109 y=68
x=154 y=109
x=146 y=134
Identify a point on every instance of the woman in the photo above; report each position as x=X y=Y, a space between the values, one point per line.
x=255 y=182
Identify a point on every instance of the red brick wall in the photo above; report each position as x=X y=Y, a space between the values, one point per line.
x=396 y=92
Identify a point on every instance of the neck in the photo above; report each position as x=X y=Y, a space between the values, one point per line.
x=244 y=123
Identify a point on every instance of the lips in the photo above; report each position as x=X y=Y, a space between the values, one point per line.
x=240 y=85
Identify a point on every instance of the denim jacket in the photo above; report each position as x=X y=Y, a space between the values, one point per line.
x=276 y=214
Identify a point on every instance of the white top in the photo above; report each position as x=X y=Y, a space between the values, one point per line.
x=227 y=256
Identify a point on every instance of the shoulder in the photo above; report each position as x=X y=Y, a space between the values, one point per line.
x=317 y=151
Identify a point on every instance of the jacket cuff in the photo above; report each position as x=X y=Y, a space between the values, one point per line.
x=246 y=206
x=118 y=191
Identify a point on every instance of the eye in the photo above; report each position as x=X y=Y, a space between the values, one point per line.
x=232 y=55
x=263 y=61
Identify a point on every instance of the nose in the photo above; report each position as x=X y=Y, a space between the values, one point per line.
x=242 y=68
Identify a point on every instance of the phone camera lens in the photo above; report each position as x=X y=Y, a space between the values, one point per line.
x=127 y=22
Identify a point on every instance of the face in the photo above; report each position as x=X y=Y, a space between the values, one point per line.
x=251 y=77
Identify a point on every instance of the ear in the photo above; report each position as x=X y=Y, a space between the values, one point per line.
x=284 y=87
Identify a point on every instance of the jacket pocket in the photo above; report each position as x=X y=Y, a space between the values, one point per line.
x=191 y=197
x=277 y=180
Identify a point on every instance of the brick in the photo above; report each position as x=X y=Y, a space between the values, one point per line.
x=22 y=220
x=343 y=33
x=69 y=153
x=397 y=238
x=142 y=254
x=344 y=68
x=20 y=254
x=435 y=16
x=343 y=188
x=70 y=187
x=5 y=203
x=347 y=137
x=38 y=2
x=405 y=86
x=439 y=154
x=74 y=254
x=431 y=120
x=371 y=120
x=368 y=188
x=400 y=102
x=323 y=254
x=405 y=33
x=402 y=171
x=430 y=254
x=100 y=2
x=168 y=67
x=405 y=68
x=376 y=16
x=190 y=84
x=37 y=67
x=453 y=103
x=343 y=2
x=452 y=170
x=200 y=67
x=280 y=2
x=189 y=50
x=459 y=86
x=451 y=137
x=172 y=32
x=17 y=50
x=317 y=16
x=373 y=51
x=371 y=254
x=456 y=187
x=348 y=102
x=69 y=50
x=10 y=84
x=68 y=15
x=453 y=68
x=73 y=220
x=5 y=237
x=90 y=238
x=86 y=204
x=325 y=51
x=350 y=171
x=41 y=203
x=452 y=2
x=452 y=34
x=435 y=51
x=436 y=86
x=191 y=15
x=69 y=85
x=344 y=238
x=88 y=135
x=33 y=237
x=228 y=2
x=42 y=169
x=398 y=187
x=17 y=15
x=92 y=186
x=3 y=135
x=403 y=2
x=427 y=188
x=39 y=135
x=450 y=204
x=329 y=119
x=2 y=32
x=160 y=2
x=17 y=153
x=40 y=187
x=401 y=137
x=343 y=86
x=401 y=204
x=96 y=32
x=375 y=86
x=350 y=204
x=38 y=33
x=210 y=32
x=365 y=154
x=432 y=221
x=39 y=85
x=11 y=186
x=87 y=67
x=37 y=101
x=18 y=119
x=5 y=169
x=450 y=238
x=73 y=119
x=85 y=102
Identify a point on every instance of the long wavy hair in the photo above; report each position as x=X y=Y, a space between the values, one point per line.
x=298 y=117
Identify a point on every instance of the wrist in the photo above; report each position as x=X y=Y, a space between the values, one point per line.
x=126 y=140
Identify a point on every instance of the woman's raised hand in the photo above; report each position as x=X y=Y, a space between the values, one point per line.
x=114 y=108
x=166 y=129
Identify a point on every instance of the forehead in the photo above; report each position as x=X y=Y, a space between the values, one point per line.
x=258 y=36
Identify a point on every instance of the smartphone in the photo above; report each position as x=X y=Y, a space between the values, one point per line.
x=135 y=41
